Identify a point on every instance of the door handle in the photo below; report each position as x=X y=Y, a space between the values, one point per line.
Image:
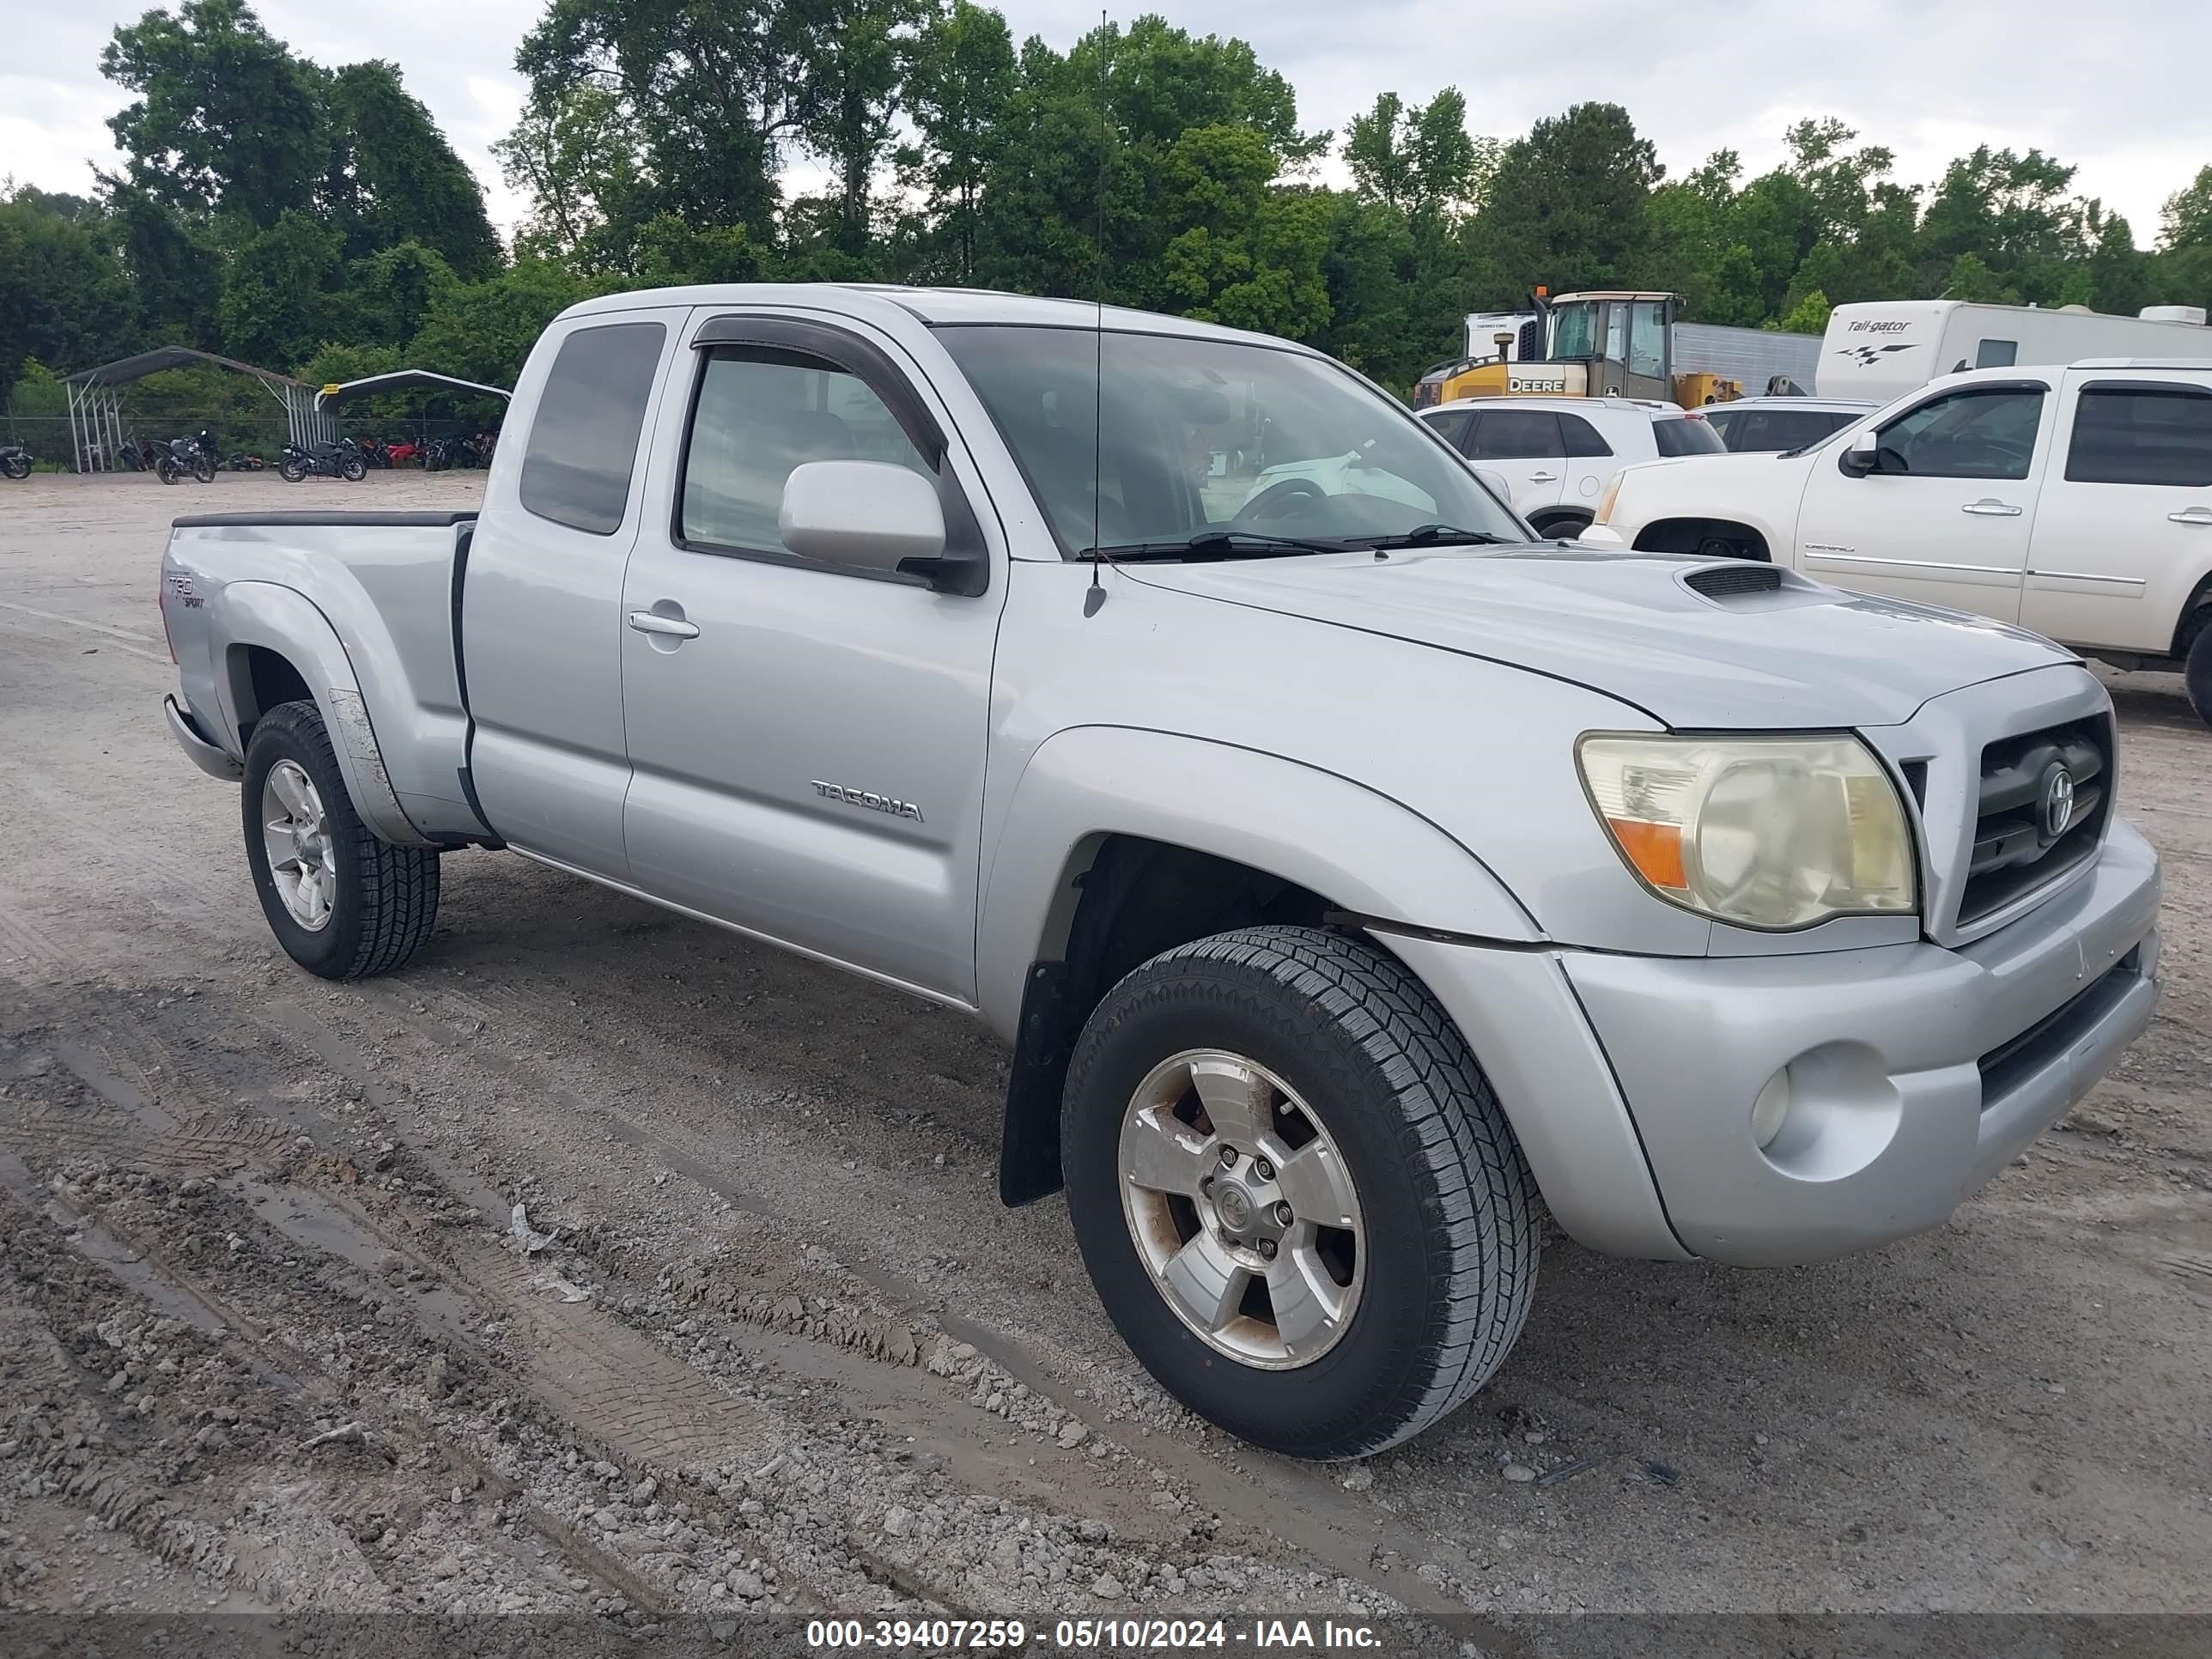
x=652 y=622
x=2193 y=515
x=1543 y=477
x=1990 y=509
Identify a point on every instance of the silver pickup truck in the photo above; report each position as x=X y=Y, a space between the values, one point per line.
x=1353 y=880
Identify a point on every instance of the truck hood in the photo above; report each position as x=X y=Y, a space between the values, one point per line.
x=1628 y=625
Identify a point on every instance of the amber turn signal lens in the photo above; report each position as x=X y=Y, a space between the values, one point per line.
x=1655 y=850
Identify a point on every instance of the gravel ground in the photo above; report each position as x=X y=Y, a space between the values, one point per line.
x=268 y=1339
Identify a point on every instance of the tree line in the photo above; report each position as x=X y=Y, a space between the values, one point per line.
x=317 y=220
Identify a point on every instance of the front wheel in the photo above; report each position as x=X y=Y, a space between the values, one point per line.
x=1300 y=1202
x=356 y=469
x=343 y=903
x=17 y=467
x=204 y=471
x=2197 y=667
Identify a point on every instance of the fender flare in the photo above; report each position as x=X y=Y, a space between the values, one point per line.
x=1361 y=849
x=285 y=620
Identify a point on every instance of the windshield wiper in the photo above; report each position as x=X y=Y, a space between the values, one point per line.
x=1218 y=543
x=1438 y=535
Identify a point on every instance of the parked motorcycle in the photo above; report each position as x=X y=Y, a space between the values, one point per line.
x=15 y=461
x=406 y=451
x=459 y=451
x=242 y=462
x=373 y=452
x=329 y=461
x=181 y=459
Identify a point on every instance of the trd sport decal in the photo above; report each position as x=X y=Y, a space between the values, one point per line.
x=1866 y=354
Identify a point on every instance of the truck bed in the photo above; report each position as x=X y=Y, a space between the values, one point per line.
x=381 y=589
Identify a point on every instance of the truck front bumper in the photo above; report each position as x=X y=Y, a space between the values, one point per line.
x=1915 y=1073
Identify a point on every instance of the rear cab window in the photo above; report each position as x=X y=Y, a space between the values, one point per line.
x=583 y=438
x=1686 y=434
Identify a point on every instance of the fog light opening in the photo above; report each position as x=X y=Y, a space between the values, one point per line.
x=1770 y=1110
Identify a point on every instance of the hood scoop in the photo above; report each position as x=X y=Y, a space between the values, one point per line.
x=1728 y=582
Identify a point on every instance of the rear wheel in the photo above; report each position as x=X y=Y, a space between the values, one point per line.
x=291 y=471
x=1298 y=1198
x=343 y=903
x=166 y=470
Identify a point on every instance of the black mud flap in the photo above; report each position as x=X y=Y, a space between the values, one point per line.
x=1029 y=1145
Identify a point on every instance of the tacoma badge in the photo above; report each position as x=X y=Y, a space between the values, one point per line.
x=867 y=797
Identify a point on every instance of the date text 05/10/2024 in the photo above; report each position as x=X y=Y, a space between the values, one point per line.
x=1089 y=1635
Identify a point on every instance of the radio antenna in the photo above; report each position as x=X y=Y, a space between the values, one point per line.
x=1096 y=596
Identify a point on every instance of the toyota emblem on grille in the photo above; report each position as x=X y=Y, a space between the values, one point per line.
x=2057 y=806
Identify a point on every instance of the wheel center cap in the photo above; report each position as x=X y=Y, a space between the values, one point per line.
x=1234 y=1205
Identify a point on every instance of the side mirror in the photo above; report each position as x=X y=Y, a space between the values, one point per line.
x=870 y=515
x=1862 y=455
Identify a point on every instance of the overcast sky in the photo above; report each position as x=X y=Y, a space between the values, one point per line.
x=2118 y=91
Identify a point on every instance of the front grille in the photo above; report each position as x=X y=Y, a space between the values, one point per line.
x=2008 y=1064
x=2014 y=852
x=1722 y=582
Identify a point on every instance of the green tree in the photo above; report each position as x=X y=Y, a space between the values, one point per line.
x=702 y=91
x=1809 y=315
x=1422 y=162
x=1250 y=256
x=574 y=157
x=278 y=299
x=853 y=75
x=64 y=298
x=960 y=79
x=393 y=177
x=392 y=293
x=1570 y=205
x=2187 y=220
x=226 y=117
x=482 y=331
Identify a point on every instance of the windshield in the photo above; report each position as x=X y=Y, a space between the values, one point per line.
x=1199 y=439
x=1574 y=331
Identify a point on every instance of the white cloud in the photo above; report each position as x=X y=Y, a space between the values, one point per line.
x=2117 y=94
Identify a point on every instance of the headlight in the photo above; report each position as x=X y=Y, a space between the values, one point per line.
x=1764 y=832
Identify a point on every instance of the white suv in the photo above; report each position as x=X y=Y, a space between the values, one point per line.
x=1558 y=455
x=2074 y=501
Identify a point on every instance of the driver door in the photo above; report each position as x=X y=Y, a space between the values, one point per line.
x=1944 y=518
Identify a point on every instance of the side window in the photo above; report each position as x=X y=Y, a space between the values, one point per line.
x=761 y=412
x=1965 y=434
x=1647 y=338
x=1997 y=354
x=2138 y=435
x=1685 y=434
x=583 y=439
x=1452 y=428
x=1582 y=438
x=1518 y=435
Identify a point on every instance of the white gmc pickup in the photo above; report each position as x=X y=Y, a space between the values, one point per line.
x=2075 y=501
x=1352 y=879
